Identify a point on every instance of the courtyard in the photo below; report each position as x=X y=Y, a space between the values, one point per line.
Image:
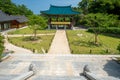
x=57 y=63
x=60 y=40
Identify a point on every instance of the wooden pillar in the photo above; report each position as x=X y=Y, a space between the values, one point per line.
x=49 y=22
x=57 y=19
x=71 y=20
x=65 y=27
x=56 y=27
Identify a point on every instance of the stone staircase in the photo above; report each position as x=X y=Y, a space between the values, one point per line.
x=58 y=67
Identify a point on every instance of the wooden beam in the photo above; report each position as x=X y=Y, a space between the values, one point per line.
x=60 y=23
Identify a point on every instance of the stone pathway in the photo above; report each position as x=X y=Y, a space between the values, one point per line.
x=11 y=47
x=59 y=66
x=60 y=43
x=21 y=35
x=16 y=49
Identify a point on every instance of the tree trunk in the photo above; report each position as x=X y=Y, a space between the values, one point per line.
x=96 y=38
x=35 y=32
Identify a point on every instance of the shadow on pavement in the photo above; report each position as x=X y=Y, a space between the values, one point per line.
x=112 y=68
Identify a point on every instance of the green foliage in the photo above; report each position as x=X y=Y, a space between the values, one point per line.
x=110 y=30
x=98 y=21
x=1 y=45
x=118 y=48
x=101 y=20
x=109 y=9
x=23 y=10
x=9 y=7
x=105 y=6
x=84 y=5
x=37 y=22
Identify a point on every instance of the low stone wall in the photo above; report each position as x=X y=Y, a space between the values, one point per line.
x=87 y=73
x=5 y=57
x=91 y=76
x=24 y=76
x=27 y=75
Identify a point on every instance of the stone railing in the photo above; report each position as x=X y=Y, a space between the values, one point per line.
x=5 y=57
x=27 y=75
x=91 y=76
x=88 y=74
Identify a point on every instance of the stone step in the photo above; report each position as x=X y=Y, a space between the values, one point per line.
x=58 y=78
x=7 y=77
x=69 y=55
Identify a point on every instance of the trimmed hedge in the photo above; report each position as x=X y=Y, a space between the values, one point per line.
x=111 y=30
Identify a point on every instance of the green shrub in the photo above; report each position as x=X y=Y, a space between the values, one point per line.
x=111 y=30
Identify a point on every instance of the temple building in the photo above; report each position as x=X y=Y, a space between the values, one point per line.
x=11 y=21
x=60 y=17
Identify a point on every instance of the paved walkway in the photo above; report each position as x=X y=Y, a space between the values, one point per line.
x=21 y=35
x=59 y=66
x=17 y=50
x=60 y=43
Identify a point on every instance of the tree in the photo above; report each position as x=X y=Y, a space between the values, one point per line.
x=37 y=23
x=23 y=10
x=84 y=5
x=105 y=6
x=1 y=46
x=10 y=8
x=97 y=22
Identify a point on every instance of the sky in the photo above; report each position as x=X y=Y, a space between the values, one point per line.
x=40 y=5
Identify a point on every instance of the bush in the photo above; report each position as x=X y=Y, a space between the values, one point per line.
x=118 y=48
x=111 y=30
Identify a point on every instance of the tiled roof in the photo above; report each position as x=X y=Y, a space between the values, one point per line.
x=5 y=17
x=60 y=10
x=20 y=19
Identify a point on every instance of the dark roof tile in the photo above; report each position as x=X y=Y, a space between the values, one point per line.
x=5 y=17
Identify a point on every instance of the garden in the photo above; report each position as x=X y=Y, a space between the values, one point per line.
x=39 y=46
x=82 y=42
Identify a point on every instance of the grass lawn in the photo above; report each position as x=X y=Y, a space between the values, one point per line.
x=44 y=42
x=30 y=31
x=80 y=43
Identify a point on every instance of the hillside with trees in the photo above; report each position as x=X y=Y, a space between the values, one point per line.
x=11 y=8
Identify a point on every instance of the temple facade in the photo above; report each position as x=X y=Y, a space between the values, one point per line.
x=60 y=17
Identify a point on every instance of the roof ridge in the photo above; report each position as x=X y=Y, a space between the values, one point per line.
x=60 y=6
